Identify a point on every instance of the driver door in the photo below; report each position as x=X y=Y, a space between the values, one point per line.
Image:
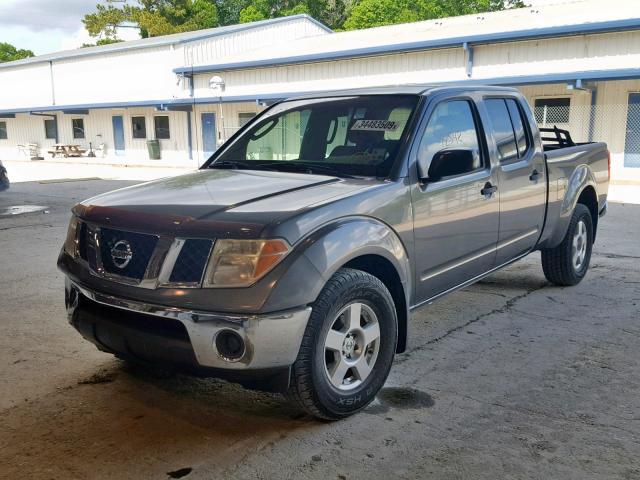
x=456 y=216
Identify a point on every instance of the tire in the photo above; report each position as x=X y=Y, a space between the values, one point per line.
x=347 y=350
x=567 y=264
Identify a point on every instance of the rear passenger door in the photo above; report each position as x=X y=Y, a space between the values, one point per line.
x=521 y=174
x=455 y=216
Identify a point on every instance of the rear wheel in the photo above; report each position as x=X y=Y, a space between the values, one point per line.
x=567 y=264
x=347 y=348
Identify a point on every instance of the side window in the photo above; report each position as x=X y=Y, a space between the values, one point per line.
x=245 y=117
x=450 y=144
x=502 y=129
x=78 y=127
x=161 y=127
x=550 y=111
x=50 y=129
x=139 y=127
x=517 y=120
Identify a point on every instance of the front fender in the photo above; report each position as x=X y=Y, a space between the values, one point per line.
x=319 y=255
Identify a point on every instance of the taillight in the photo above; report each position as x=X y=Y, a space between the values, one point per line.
x=609 y=164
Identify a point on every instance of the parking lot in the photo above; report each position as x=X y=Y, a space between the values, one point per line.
x=509 y=378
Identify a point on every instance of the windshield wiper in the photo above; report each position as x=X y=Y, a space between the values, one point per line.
x=233 y=164
x=309 y=168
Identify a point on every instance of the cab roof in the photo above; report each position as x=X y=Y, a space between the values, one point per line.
x=412 y=89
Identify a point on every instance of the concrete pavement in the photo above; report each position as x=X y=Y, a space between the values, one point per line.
x=509 y=378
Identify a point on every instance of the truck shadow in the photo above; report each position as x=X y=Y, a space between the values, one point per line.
x=125 y=418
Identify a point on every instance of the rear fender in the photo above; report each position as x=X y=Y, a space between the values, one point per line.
x=581 y=178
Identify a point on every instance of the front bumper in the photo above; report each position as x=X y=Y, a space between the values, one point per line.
x=127 y=327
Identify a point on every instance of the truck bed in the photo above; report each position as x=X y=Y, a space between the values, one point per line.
x=571 y=166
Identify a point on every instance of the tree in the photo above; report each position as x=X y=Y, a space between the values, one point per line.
x=374 y=13
x=162 y=17
x=9 y=53
x=154 y=17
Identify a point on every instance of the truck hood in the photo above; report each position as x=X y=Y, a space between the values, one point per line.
x=209 y=202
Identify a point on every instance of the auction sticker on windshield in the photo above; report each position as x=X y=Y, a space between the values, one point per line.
x=376 y=125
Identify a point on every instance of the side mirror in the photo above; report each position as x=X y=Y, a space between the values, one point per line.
x=451 y=162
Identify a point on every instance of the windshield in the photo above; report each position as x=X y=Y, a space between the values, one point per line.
x=342 y=136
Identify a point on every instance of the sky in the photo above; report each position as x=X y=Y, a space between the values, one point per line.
x=44 y=26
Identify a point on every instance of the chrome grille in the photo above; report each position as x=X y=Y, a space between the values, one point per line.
x=191 y=262
x=141 y=245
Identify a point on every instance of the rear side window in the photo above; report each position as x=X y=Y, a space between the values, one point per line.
x=518 y=127
x=502 y=129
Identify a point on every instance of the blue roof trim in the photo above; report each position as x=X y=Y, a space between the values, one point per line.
x=587 y=75
x=173 y=39
x=499 y=37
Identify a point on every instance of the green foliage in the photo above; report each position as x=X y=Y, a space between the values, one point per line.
x=162 y=17
x=229 y=10
x=154 y=17
x=374 y=13
x=9 y=53
x=102 y=41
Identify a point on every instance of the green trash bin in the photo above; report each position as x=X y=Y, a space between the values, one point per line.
x=154 y=149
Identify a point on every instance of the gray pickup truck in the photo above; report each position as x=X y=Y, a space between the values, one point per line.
x=292 y=259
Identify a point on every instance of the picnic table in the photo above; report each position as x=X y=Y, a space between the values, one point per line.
x=66 y=150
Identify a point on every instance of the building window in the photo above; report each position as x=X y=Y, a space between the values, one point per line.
x=244 y=118
x=50 y=129
x=161 y=124
x=3 y=130
x=552 y=110
x=78 y=127
x=139 y=127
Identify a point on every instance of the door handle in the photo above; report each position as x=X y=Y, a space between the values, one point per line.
x=488 y=190
x=535 y=176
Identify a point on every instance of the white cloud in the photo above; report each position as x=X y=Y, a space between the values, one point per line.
x=45 y=26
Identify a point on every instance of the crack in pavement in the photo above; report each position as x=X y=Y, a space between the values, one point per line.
x=46 y=225
x=616 y=255
x=508 y=305
x=529 y=411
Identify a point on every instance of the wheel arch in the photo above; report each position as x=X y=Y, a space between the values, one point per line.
x=589 y=199
x=385 y=271
x=581 y=188
x=363 y=243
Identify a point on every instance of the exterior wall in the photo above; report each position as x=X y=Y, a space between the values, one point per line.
x=137 y=75
x=26 y=85
x=608 y=117
x=569 y=54
x=98 y=126
x=420 y=67
x=133 y=75
x=226 y=125
x=207 y=51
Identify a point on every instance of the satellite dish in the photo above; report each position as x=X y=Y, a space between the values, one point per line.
x=216 y=83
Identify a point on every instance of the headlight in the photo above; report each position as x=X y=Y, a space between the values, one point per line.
x=239 y=263
x=71 y=242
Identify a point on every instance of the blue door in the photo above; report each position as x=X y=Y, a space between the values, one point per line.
x=208 y=134
x=632 y=139
x=118 y=134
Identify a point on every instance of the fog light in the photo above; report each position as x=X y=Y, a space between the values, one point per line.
x=230 y=345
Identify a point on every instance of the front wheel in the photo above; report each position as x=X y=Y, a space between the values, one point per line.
x=348 y=346
x=567 y=264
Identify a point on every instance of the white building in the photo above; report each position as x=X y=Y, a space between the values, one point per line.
x=578 y=63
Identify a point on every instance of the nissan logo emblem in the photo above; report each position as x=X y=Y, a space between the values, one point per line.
x=121 y=254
